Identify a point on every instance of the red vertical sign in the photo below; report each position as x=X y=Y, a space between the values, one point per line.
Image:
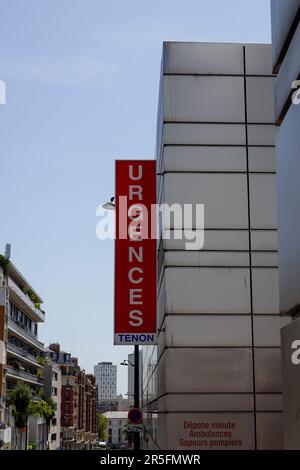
x=135 y=252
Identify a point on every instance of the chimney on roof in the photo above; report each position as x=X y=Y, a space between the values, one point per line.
x=55 y=347
x=7 y=250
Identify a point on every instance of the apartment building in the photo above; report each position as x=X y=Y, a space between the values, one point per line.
x=79 y=401
x=52 y=389
x=286 y=63
x=20 y=349
x=117 y=423
x=106 y=380
x=216 y=370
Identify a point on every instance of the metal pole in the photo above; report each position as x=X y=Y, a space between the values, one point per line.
x=136 y=435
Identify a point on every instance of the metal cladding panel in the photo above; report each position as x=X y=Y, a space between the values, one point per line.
x=206 y=402
x=263 y=207
x=207 y=134
x=267 y=329
x=220 y=258
x=226 y=431
x=260 y=99
x=259 y=134
x=202 y=58
x=269 y=402
x=207 y=290
x=282 y=14
x=262 y=159
x=209 y=370
x=264 y=259
x=258 y=59
x=206 y=99
x=204 y=159
x=207 y=331
x=269 y=431
x=288 y=72
x=224 y=197
x=214 y=240
x=287 y=150
x=265 y=290
x=267 y=367
x=264 y=240
x=291 y=385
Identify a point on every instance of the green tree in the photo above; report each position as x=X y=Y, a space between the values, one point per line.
x=20 y=399
x=43 y=408
x=102 y=427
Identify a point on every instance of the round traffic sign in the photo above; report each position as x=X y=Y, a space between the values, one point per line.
x=135 y=416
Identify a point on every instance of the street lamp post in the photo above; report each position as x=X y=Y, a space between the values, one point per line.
x=136 y=436
x=136 y=395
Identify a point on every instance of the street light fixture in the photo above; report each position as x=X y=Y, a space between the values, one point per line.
x=111 y=205
x=126 y=362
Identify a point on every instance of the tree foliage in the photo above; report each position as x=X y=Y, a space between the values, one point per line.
x=102 y=427
x=20 y=400
x=43 y=408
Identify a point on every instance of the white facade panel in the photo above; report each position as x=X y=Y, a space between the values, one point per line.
x=265 y=290
x=205 y=402
x=207 y=134
x=259 y=134
x=208 y=370
x=203 y=99
x=258 y=59
x=269 y=402
x=267 y=330
x=262 y=159
x=204 y=159
x=207 y=290
x=208 y=330
x=269 y=431
x=260 y=99
x=264 y=259
x=202 y=58
x=224 y=197
x=239 y=436
x=264 y=240
x=267 y=368
x=263 y=209
x=200 y=258
x=214 y=240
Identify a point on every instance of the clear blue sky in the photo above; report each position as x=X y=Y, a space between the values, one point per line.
x=82 y=84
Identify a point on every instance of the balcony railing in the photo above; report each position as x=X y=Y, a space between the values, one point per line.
x=21 y=374
x=27 y=302
x=22 y=352
x=25 y=333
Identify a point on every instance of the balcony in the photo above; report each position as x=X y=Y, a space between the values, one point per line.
x=22 y=375
x=12 y=348
x=20 y=298
x=25 y=334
